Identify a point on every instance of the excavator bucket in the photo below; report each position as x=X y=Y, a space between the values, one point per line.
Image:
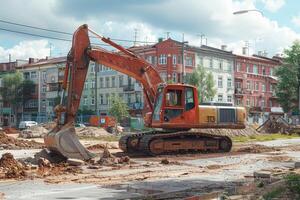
x=66 y=143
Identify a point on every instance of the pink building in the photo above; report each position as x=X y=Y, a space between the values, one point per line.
x=255 y=83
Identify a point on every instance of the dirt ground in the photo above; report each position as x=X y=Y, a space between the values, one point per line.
x=199 y=175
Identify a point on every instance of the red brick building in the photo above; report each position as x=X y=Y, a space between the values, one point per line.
x=166 y=56
x=255 y=83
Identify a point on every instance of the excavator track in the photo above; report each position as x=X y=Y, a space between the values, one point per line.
x=158 y=142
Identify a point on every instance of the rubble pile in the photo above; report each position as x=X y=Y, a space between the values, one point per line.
x=102 y=146
x=107 y=159
x=8 y=142
x=33 y=132
x=91 y=131
x=10 y=167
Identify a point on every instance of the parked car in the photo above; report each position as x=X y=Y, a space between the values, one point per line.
x=27 y=124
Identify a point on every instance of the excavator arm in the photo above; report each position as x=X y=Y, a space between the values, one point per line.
x=63 y=139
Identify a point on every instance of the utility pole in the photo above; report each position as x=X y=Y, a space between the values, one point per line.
x=168 y=34
x=201 y=38
x=96 y=95
x=39 y=93
x=50 y=49
x=135 y=36
x=183 y=59
x=9 y=58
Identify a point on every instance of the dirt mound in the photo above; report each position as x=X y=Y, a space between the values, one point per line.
x=11 y=168
x=8 y=142
x=102 y=146
x=249 y=130
x=256 y=148
x=91 y=131
x=107 y=159
x=33 y=132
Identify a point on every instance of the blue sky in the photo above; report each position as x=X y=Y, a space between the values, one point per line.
x=272 y=32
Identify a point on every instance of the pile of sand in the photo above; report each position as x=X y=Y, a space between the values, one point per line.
x=10 y=167
x=8 y=142
x=91 y=131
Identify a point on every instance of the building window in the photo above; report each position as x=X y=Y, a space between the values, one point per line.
x=248 y=68
x=93 y=101
x=263 y=70
x=44 y=88
x=220 y=98
x=211 y=63
x=220 y=82
x=113 y=81
x=263 y=87
x=120 y=81
x=44 y=76
x=33 y=75
x=174 y=77
x=238 y=67
x=262 y=103
x=229 y=82
x=149 y=59
x=271 y=71
x=101 y=99
x=163 y=59
x=248 y=85
x=92 y=68
x=271 y=88
x=188 y=61
x=93 y=84
x=229 y=98
x=270 y=103
x=248 y=102
x=255 y=69
x=220 y=64
x=201 y=61
x=238 y=101
x=86 y=85
x=101 y=82
x=85 y=101
x=107 y=82
x=107 y=98
x=256 y=86
x=174 y=59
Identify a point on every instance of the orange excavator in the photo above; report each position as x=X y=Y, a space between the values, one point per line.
x=175 y=114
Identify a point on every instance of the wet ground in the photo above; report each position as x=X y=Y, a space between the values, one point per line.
x=189 y=175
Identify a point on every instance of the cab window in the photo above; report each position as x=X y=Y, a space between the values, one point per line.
x=189 y=99
x=173 y=98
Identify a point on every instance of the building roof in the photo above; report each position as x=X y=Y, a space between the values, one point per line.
x=45 y=61
x=258 y=58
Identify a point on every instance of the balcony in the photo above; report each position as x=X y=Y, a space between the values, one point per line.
x=128 y=88
x=239 y=92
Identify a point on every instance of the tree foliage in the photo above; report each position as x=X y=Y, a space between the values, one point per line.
x=15 y=89
x=118 y=108
x=288 y=73
x=204 y=81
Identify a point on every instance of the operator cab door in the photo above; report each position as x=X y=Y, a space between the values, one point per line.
x=179 y=107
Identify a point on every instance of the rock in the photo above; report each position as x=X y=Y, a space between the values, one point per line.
x=43 y=162
x=124 y=159
x=75 y=162
x=165 y=161
x=297 y=165
x=262 y=175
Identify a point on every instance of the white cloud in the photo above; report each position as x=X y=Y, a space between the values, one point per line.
x=296 y=20
x=273 y=5
x=25 y=50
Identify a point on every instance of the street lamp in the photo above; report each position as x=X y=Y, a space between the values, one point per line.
x=247 y=11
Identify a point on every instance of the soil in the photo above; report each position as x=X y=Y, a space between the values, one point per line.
x=107 y=159
x=91 y=131
x=255 y=148
x=8 y=142
x=11 y=168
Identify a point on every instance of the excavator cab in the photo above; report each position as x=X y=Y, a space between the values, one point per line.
x=175 y=106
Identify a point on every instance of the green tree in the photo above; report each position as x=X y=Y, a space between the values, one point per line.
x=118 y=108
x=287 y=89
x=15 y=90
x=204 y=82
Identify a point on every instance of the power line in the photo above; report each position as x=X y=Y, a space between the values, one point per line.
x=48 y=37
x=62 y=32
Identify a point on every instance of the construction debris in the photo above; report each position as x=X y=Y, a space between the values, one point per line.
x=11 y=168
x=256 y=148
x=33 y=132
x=107 y=159
x=102 y=146
x=8 y=142
x=91 y=131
